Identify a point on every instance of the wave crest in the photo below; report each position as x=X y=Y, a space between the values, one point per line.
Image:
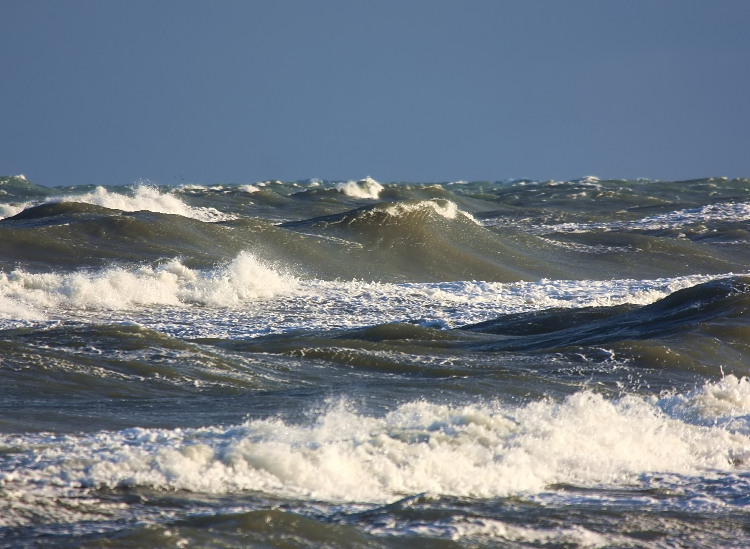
x=477 y=450
x=145 y=197
x=364 y=188
x=172 y=283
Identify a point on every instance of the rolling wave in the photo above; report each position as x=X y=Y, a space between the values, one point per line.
x=341 y=455
x=706 y=302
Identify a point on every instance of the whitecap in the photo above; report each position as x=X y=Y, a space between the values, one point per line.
x=145 y=197
x=444 y=208
x=364 y=188
x=172 y=283
x=342 y=455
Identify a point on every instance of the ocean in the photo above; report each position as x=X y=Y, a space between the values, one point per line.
x=364 y=364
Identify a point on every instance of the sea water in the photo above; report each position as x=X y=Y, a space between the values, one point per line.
x=367 y=364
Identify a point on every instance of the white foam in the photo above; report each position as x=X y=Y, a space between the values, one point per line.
x=728 y=211
x=487 y=530
x=364 y=188
x=282 y=303
x=172 y=283
x=726 y=402
x=341 y=455
x=249 y=189
x=145 y=197
x=14 y=309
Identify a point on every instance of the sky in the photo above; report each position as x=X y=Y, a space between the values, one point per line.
x=182 y=91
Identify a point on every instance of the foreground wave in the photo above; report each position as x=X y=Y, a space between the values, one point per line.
x=353 y=461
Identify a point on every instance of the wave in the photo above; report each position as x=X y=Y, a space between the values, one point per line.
x=342 y=455
x=140 y=197
x=683 y=325
x=9 y=210
x=18 y=188
x=67 y=235
x=612 y=195
x=692 y=222
x=435 y=239
x=124 y=361
x=429 y=240
x=681 y=330
x=170 y=283
x=365 y=188
x=416 y=240
x=425 y=233
x=144 y=197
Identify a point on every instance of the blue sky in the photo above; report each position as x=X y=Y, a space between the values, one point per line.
x=104 y=92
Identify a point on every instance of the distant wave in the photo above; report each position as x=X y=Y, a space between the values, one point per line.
x=365 y=188
x=144 y=197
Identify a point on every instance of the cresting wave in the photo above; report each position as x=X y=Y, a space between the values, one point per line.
x=145 y=197
x=172 y=283
x=242 y=281
x=141 y=197
x=341 y=455
x=366 y=188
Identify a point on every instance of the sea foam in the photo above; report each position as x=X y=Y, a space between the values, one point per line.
x=285 y=299
x=737 y=212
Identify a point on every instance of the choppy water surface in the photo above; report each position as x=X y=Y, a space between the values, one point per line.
x=360 y=364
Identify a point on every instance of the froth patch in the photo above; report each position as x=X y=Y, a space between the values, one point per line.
x=172 y=283
x=726 y=402
x=736 y=212
x=484 y=530
x=146 y=197
x=341 y=455
x=14 y=309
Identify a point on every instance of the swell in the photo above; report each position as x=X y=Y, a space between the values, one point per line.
x=17 y=188
x=426 y=240
x=404 y=241
x=702 y=329
x=625 y=197
x=69 y=236
x=704 y=302
x=69 y=378
x=585 y=229
x=120 y=360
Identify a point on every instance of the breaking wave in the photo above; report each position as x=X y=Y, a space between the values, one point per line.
x=365 y=188
x=478 y=450
x=172 y=283
x=145 y=197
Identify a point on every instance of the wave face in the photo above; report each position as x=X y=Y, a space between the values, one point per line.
x=368 y=364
